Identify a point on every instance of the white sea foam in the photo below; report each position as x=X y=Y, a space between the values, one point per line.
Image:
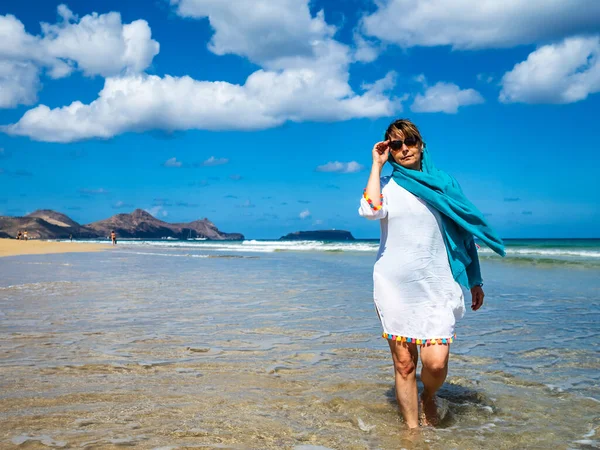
x=253 y=245
x=590 y=434
x=260 y=246
x=532 y=251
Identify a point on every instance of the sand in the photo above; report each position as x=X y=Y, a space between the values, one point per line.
x=13 y=247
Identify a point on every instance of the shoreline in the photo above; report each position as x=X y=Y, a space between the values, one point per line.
x=14 y=247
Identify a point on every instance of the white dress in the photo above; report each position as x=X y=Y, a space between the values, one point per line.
x=415 y=294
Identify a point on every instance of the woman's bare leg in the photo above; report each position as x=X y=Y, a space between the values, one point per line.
x=405 y=358
x=434 y=359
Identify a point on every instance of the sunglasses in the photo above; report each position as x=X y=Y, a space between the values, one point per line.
x=397 y=144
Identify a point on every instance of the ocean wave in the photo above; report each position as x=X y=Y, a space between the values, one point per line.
x=554 y=262
x=252 y=245
x=558 y=254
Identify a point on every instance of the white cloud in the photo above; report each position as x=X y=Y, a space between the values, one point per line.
x=144 y=102
x=382 y=85
x=485 y=78
x=471 y=24
x=365 y=51
x=65 y=13
x=100 y=44
x=212 y=161
x=340 y=167
x=122 y=205
x=156 y=211
x=262 y=30
x=295 y=49
x=304 y=214
x=445 y=97
x=96 y=45
x=19 y=83
x=15 y=43
x=172 y=162
x=565 y=72
x=421 y=79
x=305 y=77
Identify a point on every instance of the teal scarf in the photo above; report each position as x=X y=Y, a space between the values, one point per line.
x=461 y=220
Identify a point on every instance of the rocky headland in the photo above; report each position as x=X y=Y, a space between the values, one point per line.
x=318 y=235
x=48 y=224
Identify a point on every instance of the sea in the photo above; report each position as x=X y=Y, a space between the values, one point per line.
x=258 y=344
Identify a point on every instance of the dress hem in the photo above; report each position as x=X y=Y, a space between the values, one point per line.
x=434 y=341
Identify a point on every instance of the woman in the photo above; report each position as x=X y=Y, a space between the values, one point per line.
x=427 y=250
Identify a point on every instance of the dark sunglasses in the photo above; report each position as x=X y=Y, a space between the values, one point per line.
x=397 y=144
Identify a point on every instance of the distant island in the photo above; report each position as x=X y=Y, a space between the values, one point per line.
x=319 y=235
x=48 y=224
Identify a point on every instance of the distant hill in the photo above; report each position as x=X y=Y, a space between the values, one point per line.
x=319 y=235
x=44 y=224
x=141 y=224
x=55 y=218
x=48 y=224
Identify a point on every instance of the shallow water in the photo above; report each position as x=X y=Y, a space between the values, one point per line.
x=159 y=348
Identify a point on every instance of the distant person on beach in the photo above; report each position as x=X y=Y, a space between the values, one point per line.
x=25 y=235
x=19 y=236
x=113 y=237
x=426 y=252
x=71 y=237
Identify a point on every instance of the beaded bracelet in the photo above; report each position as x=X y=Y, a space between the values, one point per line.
x=370 y=202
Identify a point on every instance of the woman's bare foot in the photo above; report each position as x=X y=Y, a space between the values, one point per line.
x=428 y=411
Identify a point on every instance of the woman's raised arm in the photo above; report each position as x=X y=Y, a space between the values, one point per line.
x=372 y=201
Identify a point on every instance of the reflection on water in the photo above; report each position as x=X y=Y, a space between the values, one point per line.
x=279 y=351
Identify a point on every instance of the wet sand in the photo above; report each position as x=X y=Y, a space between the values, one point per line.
x=13 y=247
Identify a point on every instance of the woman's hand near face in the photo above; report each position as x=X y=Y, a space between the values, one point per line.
x=381 y=151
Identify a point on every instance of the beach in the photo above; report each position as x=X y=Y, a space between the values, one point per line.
x=14 y=247
x=268 y=345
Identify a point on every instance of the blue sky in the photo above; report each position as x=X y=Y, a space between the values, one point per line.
x=261 y=114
